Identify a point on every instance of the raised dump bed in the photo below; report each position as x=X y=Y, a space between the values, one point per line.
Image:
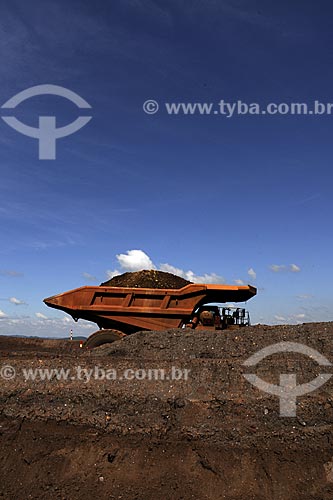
x=129 y=310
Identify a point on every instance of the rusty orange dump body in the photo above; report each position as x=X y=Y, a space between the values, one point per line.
x=132 y=309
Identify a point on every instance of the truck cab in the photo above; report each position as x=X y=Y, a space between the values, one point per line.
x=219 y=317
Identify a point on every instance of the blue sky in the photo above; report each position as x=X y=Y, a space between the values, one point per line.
x=212 y=195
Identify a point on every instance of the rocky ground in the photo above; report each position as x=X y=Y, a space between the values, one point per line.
x=117 y=429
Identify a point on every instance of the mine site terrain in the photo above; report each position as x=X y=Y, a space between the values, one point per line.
x=211 y=435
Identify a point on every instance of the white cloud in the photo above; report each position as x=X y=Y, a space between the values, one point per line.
x=168 y=268
x=251 y=272
x=45 y=327
x=2 y=314
x=293 y=268
x=133 y=260
x=111 y=274
x=276 y=269
x=16 y=301
x=191 y=276
x=298 y=318
x=280 y=318
x=89 y=277
x=291 y=319
x=304 y=296
x=41 y=316
x=205 y=278
x=137 y=260
x=239 y=282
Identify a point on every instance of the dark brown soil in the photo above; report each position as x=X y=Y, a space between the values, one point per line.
x=147 y=279
x=213 y=436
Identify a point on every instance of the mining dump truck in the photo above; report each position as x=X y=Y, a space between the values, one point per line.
x=123 y=310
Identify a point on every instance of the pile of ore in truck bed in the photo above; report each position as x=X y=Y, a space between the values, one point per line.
x=147 y=279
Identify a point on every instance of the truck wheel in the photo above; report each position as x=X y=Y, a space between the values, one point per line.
x=103 y=337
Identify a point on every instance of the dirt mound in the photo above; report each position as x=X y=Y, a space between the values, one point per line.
x=210 y=434
x=147 y=279
x=185 y=344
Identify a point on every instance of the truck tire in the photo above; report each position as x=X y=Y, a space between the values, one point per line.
x=103 y=337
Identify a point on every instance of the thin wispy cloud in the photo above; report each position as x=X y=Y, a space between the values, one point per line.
x=251 y=272
x=244 y=281
x=191 y=276
x=278 y=268
x=40 y=315
x=280 y=318
x=17 y=302
x=239 y=282
x=89 y=277
x=44 y=326
x=307 y=199
x=10 y=273
x=291 y=319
